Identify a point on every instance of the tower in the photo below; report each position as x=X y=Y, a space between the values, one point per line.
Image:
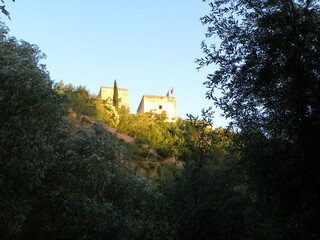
x=159 y=104
x=107 y=93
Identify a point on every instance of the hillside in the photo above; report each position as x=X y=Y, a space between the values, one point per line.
x=144 y=160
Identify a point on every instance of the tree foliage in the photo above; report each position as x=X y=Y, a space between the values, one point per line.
x=145 y=129
x=82 y=102
x=78 y=98
x=4 y=10
x=268 y=64
x=269 y=74
x=115 y=98
x=107 y=113
x=207 y=198
x=30 y=113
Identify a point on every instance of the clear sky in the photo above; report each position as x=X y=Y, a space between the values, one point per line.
x=147 y=46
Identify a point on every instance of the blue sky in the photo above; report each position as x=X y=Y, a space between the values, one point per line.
x=147 y=46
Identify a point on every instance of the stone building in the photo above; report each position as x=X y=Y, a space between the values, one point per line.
x=123 y=94
x=159 y=104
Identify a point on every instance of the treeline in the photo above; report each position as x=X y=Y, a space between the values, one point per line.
x=148 y=128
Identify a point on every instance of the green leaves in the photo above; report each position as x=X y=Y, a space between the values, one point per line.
x=107 y=113
x=30 y=120
x=78 y=99
x=269 y=76
x=115 y=98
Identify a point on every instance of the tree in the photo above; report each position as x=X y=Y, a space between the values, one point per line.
x=106 y=112
x=269 y=73
x=3 y=9
x=78 y=99
x=115 y=98
x=205 y=199
x=30 y=120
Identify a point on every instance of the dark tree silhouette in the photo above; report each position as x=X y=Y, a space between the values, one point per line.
x=269 y=74
x=4 y=10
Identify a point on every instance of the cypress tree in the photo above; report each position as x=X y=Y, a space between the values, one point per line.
x=115 y=95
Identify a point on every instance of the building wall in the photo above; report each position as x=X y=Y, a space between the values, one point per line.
x=159 y=104
x=107 y=92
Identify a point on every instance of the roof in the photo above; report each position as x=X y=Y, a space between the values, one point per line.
x=154 y=97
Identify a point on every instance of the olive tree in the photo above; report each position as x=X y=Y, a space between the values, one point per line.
x=268 y=70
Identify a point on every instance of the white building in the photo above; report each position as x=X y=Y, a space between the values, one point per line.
x=159 y=104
